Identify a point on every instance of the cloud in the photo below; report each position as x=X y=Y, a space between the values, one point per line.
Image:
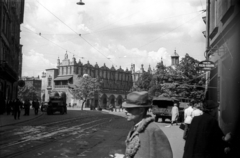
x=112 y=32
x=35 y=63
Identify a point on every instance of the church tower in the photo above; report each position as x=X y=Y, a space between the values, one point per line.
x=175 y=58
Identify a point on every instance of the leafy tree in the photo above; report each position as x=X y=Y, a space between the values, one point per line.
x=144 y=81
x=26 y=92
x=85 y=88
x=189 y=67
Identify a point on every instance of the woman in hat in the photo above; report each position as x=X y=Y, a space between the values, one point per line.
x=145 y=139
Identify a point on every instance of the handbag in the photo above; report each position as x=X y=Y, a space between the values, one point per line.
x=182 y=126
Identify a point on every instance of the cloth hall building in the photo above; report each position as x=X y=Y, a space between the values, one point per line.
x=116 y=82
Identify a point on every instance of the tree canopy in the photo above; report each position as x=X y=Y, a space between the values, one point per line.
x=182 y=80
x=27 y=92
x=85 y=88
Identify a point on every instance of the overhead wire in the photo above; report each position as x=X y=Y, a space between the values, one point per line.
x=73 y=30
x=143 y=23
x=168 y=32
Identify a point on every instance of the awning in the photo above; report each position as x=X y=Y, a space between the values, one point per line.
x=62 y=78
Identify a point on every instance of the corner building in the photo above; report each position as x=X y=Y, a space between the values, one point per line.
x=116 y=82
x=11 y=17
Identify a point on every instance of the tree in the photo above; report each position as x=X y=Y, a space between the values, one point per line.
x=144 y=81
x=26 y=92
x=85 y=88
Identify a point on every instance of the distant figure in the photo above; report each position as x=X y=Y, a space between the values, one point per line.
x=36 y=106
x=187 y=118
x=197 y=110
x=27 y=107
x=205 y=138
x=9 y=108
x=17 y=105
x=175 y=115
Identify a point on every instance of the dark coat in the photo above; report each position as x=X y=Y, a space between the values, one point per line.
x=204 y=138
x=147 y=141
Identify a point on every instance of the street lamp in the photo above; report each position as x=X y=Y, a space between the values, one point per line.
x=80 y=3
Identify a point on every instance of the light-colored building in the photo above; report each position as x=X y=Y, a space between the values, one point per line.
x=35 y=82
x=116 y=82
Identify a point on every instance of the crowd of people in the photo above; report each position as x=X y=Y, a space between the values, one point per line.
x=14 y=107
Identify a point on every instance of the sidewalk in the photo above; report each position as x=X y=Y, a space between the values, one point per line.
x=7 y=120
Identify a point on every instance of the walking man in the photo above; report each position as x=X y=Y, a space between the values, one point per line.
x=27 y=107
x=175 y=115
x=17 y=109
x=187 y=118
x=36 y=107
x=145 y=139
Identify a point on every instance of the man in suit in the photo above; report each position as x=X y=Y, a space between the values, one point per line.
x=145 y=139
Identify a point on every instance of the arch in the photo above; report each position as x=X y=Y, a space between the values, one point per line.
x=119 y=100
x=104 y=101
x=111 y=100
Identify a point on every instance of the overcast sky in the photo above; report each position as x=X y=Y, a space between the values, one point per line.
x=114 y=32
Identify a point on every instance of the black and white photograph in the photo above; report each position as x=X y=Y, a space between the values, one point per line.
x=119 y=78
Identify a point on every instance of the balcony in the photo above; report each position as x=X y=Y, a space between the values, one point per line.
x=61 y=86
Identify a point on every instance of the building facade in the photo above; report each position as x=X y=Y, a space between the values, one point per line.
x=36 y=84
x=116 y=83
x=11 y=17
x=222 y=40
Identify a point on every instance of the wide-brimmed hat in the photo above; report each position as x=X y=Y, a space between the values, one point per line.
x=210 y=104
x=137 y=99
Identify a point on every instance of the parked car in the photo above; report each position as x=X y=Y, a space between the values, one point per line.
x=44 y=106
x=162 y=107
x=56 y=104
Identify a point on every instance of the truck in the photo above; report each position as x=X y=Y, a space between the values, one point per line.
x=162 y=107
x=56 y=104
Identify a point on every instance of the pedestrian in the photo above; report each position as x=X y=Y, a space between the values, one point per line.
x=9 y=108
x=26 y=107
x=197 y=110
x=145 y=139
x=187 y=118
x=36 y=107
x=204 y=138
x=175 y=115
x=17 y=105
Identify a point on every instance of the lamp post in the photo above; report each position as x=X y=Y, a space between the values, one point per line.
x=80 y=3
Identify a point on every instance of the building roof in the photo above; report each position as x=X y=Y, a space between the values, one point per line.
x=175 y=54
x=62 y=78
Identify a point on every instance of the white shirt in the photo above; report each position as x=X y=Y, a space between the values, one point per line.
x=188 y=115
x=196 y=112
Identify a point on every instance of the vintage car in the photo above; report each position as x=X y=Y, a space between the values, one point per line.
x=56 y=104
x=161 y=107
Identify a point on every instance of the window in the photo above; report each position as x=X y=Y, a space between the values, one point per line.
x=49 y=81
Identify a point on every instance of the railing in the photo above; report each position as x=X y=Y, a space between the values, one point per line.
x=61 y=86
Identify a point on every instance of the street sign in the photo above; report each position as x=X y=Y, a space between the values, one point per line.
x=206 y=65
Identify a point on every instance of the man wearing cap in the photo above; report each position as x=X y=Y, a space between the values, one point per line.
x=145 y=139
x=204 y=138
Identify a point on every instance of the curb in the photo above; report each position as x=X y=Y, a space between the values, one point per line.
x=10 y=124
